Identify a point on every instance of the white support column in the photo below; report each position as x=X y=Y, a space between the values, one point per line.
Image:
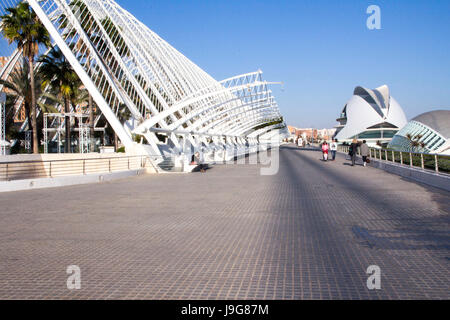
x=28 y=135
x=190 y=141
x=175 y=141
x=84 y=134
x=45 y=133
x=2 y=124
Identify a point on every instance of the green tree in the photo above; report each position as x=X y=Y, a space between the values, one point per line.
x=18 y=88
x=22 y=26
x=12 y=131
x=58 y=74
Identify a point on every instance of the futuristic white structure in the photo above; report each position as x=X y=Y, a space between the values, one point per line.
x=124 y=64
x=372 y=115
x=430 y=128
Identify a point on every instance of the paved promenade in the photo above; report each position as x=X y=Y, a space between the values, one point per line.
x=309 y=232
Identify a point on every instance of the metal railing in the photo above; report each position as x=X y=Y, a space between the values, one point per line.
x=35 y=169
x=425 y=161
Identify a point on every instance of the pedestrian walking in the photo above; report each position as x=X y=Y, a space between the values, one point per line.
x=364 y=152
x=353 y=151
x=325 y=149
x=333 y=149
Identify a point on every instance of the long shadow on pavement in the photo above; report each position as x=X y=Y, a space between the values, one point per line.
x=422 y=229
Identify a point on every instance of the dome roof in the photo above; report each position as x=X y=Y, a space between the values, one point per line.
x=438 y=120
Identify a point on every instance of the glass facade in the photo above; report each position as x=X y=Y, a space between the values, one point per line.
x=376 y=134
x=369 y=135
x=389 y=133
x=432 y=139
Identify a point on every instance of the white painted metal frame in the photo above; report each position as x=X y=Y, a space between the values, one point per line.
x=2 y=123
x=124 y=64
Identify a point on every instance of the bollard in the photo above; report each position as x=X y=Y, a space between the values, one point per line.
x=401 y=158
x=410 y=160
x=422 y=162
x=436 y=163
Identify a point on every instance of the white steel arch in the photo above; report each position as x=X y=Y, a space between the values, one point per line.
x=124 y=64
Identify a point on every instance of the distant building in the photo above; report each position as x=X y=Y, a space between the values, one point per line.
x=311 y=134
x=431 y=130
x=326 y=134
x=292 y=130
x=371 y=115
x=3 y=61
x=308 y=134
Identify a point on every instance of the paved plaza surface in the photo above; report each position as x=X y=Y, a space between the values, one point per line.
x=309 y=232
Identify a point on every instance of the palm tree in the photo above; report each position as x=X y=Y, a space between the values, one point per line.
x=12 y=131
x=58 y=74
x=19 y=87
x=22 y=26
x=415 y=142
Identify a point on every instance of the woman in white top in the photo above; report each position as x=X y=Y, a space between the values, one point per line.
x=333 y=148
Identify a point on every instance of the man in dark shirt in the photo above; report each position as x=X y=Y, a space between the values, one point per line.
x=353 y=151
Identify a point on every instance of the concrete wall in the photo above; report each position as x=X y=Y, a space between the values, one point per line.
x=15 y=167
x=431 y=178
x=16 y=174
x=30 y=184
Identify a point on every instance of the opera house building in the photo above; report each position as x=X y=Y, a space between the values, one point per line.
x=371 y=115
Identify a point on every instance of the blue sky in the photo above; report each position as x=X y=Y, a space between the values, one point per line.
x=320 y=49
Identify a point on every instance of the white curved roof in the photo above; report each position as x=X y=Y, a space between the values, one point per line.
x=438 y=120
x=368 y=108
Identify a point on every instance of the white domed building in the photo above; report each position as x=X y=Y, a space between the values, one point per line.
x=371 y=115
x=430 y=129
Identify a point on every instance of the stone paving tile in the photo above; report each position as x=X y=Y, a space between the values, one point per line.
x=309 y=232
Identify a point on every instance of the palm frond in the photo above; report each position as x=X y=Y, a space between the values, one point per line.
x=47 y=108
